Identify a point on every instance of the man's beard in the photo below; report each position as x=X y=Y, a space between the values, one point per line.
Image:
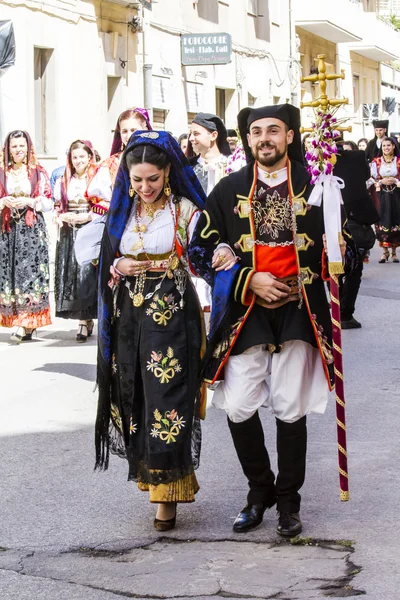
x=272 y=159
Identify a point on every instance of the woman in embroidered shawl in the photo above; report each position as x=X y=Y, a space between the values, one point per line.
x=101 y=187
x=25 y=194
x=150 y=327
x=75 y=286
x=386 y=171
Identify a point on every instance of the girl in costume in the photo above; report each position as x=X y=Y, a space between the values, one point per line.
x=385 y=170
x=75 y=285
x=100 y=189
x=25 y=193
x=150 y=325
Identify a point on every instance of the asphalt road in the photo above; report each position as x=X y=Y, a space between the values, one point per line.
x=54 y=508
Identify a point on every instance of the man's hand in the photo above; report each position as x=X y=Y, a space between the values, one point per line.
x=342 y=246
x=268 y=287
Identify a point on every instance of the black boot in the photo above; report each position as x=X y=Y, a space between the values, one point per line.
x=248 y=439
x=291 y=442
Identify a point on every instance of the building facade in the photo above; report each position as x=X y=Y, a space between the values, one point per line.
x=79 y=64
x=359 y=41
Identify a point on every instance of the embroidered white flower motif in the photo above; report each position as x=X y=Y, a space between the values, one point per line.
x=180 y=422
x=154 y=433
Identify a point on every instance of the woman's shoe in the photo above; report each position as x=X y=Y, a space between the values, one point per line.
x=28 y=335
x=90 y=325
x=161 y=525
x=21 y=335
x=165 y=525
x=384 y=258
x=80 y=336
x=394 y=258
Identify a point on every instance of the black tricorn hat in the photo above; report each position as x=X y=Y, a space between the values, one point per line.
x=287 y=113
x=381 y=124
x=213 y=123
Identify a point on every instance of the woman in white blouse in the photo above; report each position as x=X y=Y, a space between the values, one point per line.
x=75 y=286
x=25 y=193
x=386 y=171
x=150 y=325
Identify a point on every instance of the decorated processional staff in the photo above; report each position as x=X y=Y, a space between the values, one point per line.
x=270 y=335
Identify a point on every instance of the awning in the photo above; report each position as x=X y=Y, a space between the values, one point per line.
x=372 y=52
x=328 y=31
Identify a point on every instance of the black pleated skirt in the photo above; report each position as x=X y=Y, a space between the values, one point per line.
x=75 y=286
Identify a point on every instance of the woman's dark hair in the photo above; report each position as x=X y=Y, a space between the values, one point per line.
x=145 y=153
x=183 y=136
x=350 y=143
x=80 y=145
x=362 y=140
x=389 y=139
x=17 y=134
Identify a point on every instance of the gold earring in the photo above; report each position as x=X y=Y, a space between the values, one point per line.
x=167 y=187
x=131 y=191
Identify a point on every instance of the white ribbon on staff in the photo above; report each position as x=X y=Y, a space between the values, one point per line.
x=327 y=190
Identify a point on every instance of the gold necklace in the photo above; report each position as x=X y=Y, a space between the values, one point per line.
x=137 y=295
x=388 y=161
x=150 y=211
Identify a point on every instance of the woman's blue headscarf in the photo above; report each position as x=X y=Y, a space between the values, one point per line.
x=182 y=178
x=184 y=183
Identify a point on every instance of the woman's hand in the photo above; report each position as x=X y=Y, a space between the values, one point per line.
x=129 y=267
x=223 y=259
x=388 y=180
x=13 y=202
x=8 y=201
x=80 y=218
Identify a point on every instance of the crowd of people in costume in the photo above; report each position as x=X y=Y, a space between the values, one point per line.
x=162 y=233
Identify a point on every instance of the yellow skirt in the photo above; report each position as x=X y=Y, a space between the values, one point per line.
x=182 y=490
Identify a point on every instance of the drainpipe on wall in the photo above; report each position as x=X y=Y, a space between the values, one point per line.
x=294 y=97
x=147 y=67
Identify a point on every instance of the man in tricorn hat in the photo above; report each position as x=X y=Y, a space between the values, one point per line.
x=374 y=147
x=270 y=325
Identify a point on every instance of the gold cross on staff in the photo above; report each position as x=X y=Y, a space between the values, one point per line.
x=323 y=102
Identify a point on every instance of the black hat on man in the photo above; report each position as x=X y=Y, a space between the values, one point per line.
x=289 y=114
x=213 y=123
x=381 y=124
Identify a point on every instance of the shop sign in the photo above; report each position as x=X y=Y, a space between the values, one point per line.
x=206 y=49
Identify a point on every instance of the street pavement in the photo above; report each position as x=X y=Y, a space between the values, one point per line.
x=67 y=532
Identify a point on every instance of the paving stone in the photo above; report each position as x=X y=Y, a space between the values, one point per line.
x=171 y=569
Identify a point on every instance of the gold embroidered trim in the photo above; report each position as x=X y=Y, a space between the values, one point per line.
x=299 y=206
x=182 y=490
x=245 y=286
x=306 y=275
x=205 y=235
x=243 y=208
x=302 y=241
x=246 y=242
x=242 y=272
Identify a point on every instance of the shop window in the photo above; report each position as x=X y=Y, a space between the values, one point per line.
x=159 y=119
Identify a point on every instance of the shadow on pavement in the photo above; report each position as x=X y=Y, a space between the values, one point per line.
x=84 y=371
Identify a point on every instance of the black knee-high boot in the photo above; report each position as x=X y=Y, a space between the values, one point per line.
x=291 y=443
x=248 y=439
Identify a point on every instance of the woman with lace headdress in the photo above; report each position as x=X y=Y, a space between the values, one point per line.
x=25 y=193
